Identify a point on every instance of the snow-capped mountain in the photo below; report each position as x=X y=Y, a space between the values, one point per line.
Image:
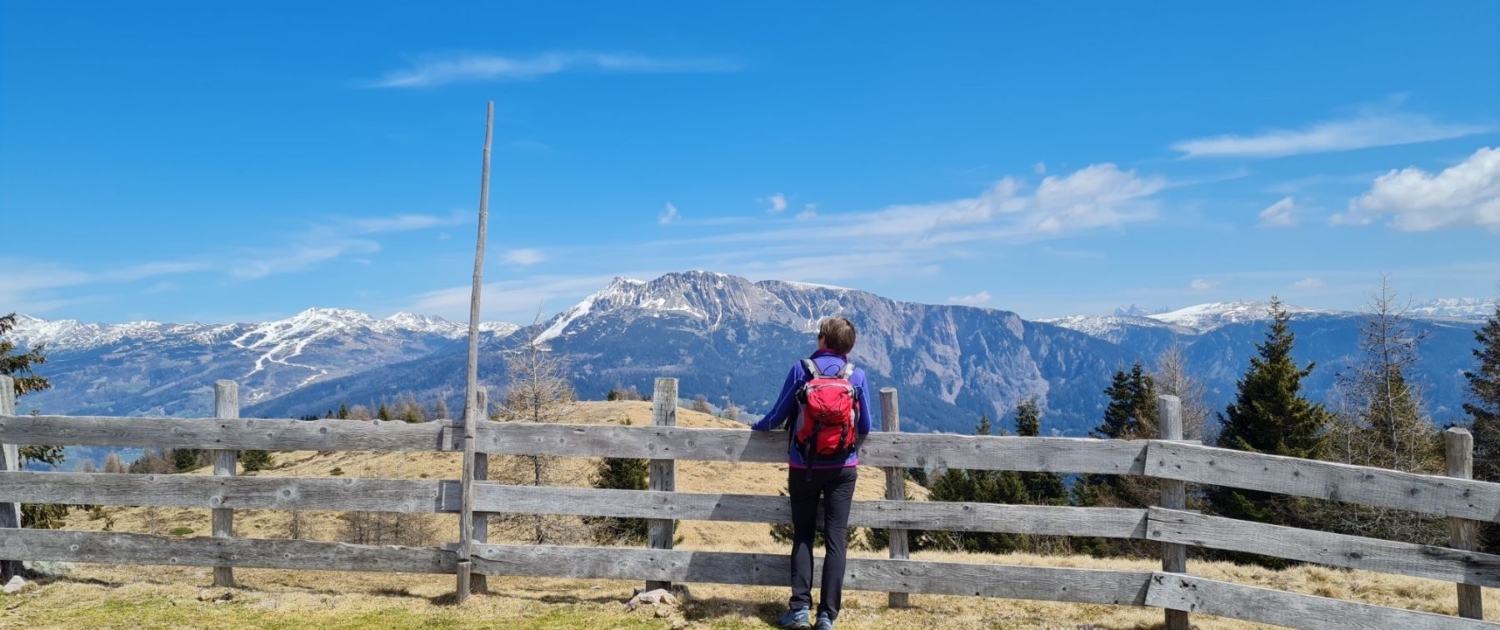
x=1454 y=308
x=722 y=336
x=153 y=368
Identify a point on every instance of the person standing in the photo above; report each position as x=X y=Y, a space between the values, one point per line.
x=825 y=401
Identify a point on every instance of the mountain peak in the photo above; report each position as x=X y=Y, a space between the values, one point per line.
x=1206 y=317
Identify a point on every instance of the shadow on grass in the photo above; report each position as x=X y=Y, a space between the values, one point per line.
x=711 y=608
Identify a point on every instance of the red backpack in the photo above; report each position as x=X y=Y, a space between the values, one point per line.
x=830 y=411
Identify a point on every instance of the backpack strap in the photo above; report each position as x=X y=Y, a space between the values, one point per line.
x=811 y=367
x=847 y=370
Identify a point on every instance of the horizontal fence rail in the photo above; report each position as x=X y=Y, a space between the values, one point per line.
x=1090 y=586
x=906 y=450
x=1426 y=494
x=268 y=553
x=202 y=491
x=1294 y=610
x=1338 y=550
x=744 y=508
x=245 y=435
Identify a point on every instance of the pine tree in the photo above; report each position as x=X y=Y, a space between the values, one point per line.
x=185 y=459
x=254 y=461
x=1131 y=413
x=1270 y=415
x=979 y=486
x=343 y=412
x=1483 y=408
x=1041 y=488
x=620 y=474
x=384 y=413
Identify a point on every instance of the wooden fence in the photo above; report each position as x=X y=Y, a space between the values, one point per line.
x=1173 y=589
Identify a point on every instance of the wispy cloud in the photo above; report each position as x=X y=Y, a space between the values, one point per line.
x=775 y=204
x=976 y=299
x=1371 y=127
x=668 y=215
x=1202 y=284
x=434 y=70
x=1279 y=214
x=1307 y=284
x=1463 y=195
x=809 y=211
x=524 y=257
x=332 y=239
x=30 y=286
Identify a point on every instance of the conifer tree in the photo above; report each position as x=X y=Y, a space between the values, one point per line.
x=384 y=413
x=1130 y=414
x=1483 y=408
x=343 y=412
x=979 y=486
x=255 y=460
x=1041 y=488
x=620 y=474
x=1270 y=415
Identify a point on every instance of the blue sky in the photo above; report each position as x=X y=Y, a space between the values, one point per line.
x=212 y=162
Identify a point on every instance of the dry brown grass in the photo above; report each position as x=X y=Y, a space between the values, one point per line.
x=176 y=597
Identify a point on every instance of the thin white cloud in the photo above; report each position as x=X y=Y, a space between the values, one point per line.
x=1279 y=214
x=809 y=211
x=524 y=257
x=1463 y=195
x=982 y=297
x=29 y=286
x=668 y=215
x=1307 y=284
x=333 y=239
x=1370 y=128
x=1201 y=285
x=437 y=70
x=775 y=204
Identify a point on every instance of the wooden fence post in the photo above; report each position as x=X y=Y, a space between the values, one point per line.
x=895 y=488
x=10 y=459
x=1464 y=533
x=663 y=471
x=1173 y=497
x=226 y=406
x=479 y=582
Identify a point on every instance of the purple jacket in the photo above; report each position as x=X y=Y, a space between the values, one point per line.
x=786 y=409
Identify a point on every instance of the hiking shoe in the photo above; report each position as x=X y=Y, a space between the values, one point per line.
x=824 y=622
x=796 y=620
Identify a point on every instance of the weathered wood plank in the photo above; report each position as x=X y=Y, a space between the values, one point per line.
x=1458 y=445
x=941 y=578
x=480 y=522
x=1339 y=550
x=145 y=549
x=226 y=407
x=242 y=434
x=1173 y=497
x=243 y=493
x=1292 y=610
x=904 y=450
x=1439 y=496
x=1042 y=520
x=663 y=473
x=895 y=489
x=10 y=460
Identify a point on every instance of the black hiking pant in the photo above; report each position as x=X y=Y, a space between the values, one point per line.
x=834 y=487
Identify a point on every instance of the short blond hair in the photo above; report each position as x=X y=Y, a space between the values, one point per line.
x=837 y=333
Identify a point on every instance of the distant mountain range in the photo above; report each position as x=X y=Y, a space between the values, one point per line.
x=724 y=337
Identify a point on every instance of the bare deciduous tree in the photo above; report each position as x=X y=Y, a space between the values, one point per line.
x=1379 y=421
x=1173 y=379
x=539 y=391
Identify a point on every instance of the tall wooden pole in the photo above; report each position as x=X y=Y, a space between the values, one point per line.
x=472 y=413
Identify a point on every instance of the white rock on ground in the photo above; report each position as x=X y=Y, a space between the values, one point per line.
x=15 y=585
